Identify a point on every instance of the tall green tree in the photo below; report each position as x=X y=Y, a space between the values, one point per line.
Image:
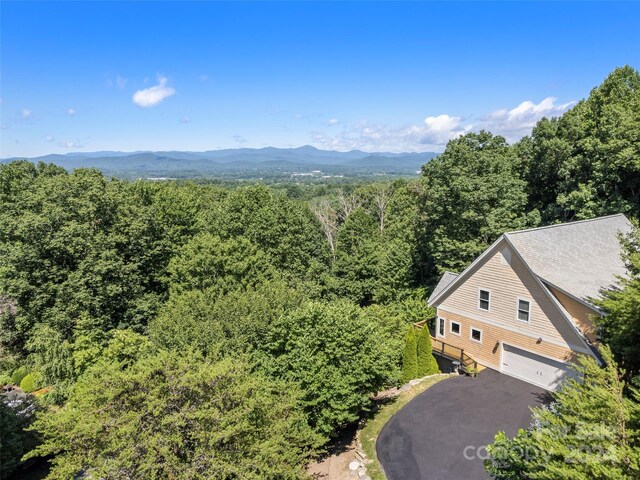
x=591 y=430
x=74 y=246
x=210 y=262
x=337 y=355
x=472 y=194
x=376 y=259
x=587 y=162
x=215 y=324
x=284 y=228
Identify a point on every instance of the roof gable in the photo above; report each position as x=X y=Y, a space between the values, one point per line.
x=562 y=256
x=444 y=282
x=503 y=272
x=580 y=258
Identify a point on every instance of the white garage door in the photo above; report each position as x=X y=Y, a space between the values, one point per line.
x=532 y=368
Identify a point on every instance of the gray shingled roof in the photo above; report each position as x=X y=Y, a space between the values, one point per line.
x=580 y=258
x=445 y=280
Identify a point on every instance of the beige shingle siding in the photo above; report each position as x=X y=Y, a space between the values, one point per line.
x=488 y=352
x=507 y=281
x=581 y=314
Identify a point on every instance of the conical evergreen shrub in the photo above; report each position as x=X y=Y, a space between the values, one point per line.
x=427 y=364
x=410 y=357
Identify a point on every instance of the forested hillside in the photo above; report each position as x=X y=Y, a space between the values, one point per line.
x=173 y=329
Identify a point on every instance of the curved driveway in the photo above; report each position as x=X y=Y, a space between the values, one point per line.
x=441 y=433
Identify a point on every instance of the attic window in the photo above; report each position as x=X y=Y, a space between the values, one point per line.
x=483 y=300
x=524 y=308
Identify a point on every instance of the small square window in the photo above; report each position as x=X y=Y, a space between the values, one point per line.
x=523 y=310
x=483 y=300
x=455 y=328
x=476 y=335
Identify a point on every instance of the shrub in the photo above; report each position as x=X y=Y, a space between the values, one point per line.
x=410 y=357
x=336 y=354
x=5 y=379
x=29 y=383
x=18 y=375
x=188 y=417
x=427 y=364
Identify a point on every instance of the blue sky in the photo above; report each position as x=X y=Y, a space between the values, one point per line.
x=393 y=76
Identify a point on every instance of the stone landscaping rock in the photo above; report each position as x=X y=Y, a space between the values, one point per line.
x=354 y=466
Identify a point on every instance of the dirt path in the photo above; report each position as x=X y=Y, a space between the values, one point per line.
x=334 y=465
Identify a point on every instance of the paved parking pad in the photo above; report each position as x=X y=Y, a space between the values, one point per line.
x=442 y=433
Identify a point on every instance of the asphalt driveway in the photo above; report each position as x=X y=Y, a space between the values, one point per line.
x=441 y=433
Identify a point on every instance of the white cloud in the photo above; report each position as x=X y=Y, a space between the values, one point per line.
x=369 y=137
x=333 y=121
x=432 y=135
x=517 y=122
x=49 y=138
x=439 y=130
x=152 y=96
x=71 y=112
x=435 y=131
x=71 y=144
x=26 y=113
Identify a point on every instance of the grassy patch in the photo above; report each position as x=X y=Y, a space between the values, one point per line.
x=373 y=427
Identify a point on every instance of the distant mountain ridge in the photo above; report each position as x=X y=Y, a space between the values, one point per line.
x=240 y=162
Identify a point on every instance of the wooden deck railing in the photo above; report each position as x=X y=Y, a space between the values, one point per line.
x=448 y=351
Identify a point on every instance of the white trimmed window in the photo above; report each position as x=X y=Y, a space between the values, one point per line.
x=524 y=310
x=455 y=328
x=476 y=335
x=484 y=299
x=441 y=326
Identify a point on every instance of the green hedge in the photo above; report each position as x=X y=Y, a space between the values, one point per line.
x=28 y=383
x=18 y=375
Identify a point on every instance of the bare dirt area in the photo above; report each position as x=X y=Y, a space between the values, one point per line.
x=334 y=464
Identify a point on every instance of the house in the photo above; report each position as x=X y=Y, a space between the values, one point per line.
x=525 y=306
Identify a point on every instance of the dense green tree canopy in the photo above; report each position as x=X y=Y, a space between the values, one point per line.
x=587 y=162
x=182 y=417
x=215 y=324
x=285 y=229
x=209 y=262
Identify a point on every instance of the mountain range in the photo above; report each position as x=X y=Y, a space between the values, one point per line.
x=241 y=162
